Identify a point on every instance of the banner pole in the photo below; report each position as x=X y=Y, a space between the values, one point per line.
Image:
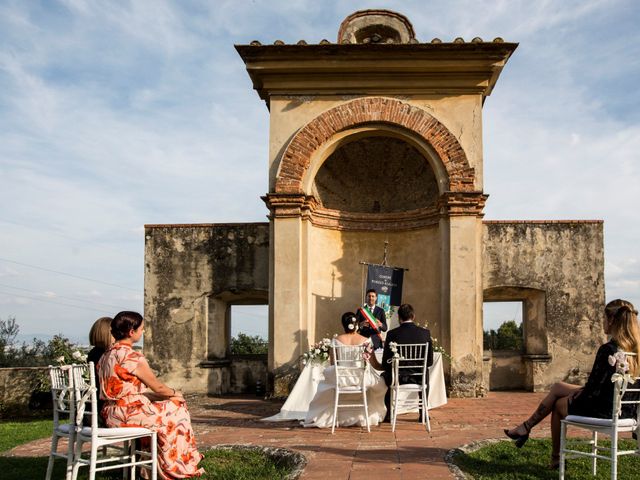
x=363 y=281
x=384 y=258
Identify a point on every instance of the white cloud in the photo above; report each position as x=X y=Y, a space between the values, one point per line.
x=117 y=114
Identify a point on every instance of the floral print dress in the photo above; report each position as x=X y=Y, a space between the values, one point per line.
x=126 y=405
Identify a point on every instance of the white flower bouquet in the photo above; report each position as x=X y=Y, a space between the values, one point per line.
x=319 y=352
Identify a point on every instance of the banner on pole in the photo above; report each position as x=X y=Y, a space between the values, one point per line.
x=387 y=281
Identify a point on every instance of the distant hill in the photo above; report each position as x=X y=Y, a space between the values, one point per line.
x=28 y=338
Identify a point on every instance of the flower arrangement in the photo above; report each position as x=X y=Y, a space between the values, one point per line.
x=436 y=346
x=319 y=352
x=439 y=348
x=368 y=351
x=393 y=346
x=619 y=360
x=621 y=376
x=77 y=355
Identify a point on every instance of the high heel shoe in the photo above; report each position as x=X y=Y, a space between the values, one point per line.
x=519 y=440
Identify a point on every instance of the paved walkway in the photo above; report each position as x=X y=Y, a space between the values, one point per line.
x=352 y=453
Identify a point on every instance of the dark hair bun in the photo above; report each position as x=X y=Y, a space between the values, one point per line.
x=123 y=323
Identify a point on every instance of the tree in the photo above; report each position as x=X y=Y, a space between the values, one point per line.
x=37 y=353
x=9 y=330
x=246 y=344
x=508 y=337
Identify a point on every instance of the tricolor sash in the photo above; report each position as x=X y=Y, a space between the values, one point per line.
x=371 y=320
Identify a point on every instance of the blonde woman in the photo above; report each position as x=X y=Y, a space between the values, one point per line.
x=595 y=399
x=100 y=339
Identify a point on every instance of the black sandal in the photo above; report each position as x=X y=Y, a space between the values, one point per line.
x=519 y=440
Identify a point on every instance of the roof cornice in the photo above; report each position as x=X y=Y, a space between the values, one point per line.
x=375 y=69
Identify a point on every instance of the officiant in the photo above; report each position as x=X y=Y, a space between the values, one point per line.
x=372 y=320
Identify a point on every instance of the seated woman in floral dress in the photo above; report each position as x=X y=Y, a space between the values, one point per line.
x=135 y=397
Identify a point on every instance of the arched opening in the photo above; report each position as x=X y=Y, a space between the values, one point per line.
x=375 y=174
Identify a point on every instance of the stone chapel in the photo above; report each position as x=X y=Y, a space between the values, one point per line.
x=375 y=137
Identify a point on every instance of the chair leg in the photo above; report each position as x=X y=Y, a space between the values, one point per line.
x=92 y=465
x=563 y=434
x=614 y=455
x=424 y=403
x=594 y=451
x=394 y=409
x=129 y=472
x=335 y=412
x=76 y=458
x=366 y=409
x=70 y=455
x=154 y=457
x=425 y=411
x=54 y=449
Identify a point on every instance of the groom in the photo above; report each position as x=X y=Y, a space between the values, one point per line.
x=407 y=332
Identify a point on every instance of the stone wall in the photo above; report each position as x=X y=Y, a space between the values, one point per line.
x=20 y=391
x=562 y=263
x=193 y=274
x=246 y=372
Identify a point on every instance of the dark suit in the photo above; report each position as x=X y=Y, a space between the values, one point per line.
x=367 y=331
x=407 y=332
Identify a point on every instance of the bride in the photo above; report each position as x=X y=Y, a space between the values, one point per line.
x=320 y=413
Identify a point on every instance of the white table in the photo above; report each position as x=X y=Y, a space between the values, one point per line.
x=297 y=404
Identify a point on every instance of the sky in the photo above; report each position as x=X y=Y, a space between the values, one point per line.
x=116 y=114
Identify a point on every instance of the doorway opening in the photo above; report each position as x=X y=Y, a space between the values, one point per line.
x=248 y=348
x=249 y=329
x=504 y=344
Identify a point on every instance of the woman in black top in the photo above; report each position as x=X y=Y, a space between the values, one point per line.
x=595 y=399
x=100 y=339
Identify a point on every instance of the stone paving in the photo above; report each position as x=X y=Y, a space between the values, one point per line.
x=352 y=453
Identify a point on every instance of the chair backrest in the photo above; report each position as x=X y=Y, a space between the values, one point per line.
x=349 y=363
x=411 y=362
x=62 y=393
x=86 y=404
x=626 y=392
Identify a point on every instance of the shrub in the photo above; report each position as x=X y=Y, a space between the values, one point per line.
x=246 y=344
x=37 y=353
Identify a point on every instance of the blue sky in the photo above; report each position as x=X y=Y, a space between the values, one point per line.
x=116 y=114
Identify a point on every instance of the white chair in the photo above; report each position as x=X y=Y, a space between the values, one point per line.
x=118 y=445
x=63 y=408
x=350 y=367
x=411 y=361
x=623 y=394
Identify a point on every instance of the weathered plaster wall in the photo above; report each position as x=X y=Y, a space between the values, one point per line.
x=192 y=274
x=505 y=370
x=246 y=372
x=336 y=277
x=565 y=260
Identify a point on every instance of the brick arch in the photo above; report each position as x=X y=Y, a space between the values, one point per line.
x=297 y=156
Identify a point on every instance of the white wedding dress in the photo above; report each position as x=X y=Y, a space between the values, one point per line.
x=320 y=413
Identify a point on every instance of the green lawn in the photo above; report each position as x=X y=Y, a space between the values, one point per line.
x=219 y=464
x=503 y=461
x=13 y=434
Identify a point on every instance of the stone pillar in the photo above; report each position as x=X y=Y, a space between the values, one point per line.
x=461 y=239
x=288 y=301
